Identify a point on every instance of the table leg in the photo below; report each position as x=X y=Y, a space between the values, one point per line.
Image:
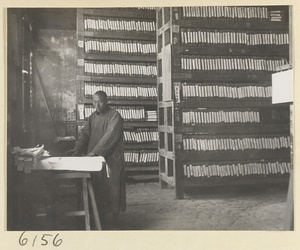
x=86 y=203
x=94 y=206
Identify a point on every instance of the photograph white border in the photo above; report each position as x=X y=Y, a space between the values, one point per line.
x=206 y=240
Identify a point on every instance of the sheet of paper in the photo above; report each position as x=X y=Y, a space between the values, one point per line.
x=80 y=108
x=70 y=163
x=282 y=87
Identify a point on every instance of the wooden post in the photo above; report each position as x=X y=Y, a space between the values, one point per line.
x=289 y=214
x=94 y=206
x=86 y=203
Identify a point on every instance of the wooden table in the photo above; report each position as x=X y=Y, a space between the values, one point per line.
x=76 y=168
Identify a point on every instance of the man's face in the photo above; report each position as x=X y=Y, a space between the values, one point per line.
x=99 y=103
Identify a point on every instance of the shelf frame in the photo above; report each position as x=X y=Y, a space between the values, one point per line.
x=82 y=78
x=169 y=81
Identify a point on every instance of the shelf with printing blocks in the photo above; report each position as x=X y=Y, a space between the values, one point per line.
x=117 y=55
x=216 y=121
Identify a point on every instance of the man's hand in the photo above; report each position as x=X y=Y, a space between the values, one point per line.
x=72 y=152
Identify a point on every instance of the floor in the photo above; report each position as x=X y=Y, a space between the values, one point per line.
x=218 y=208
x=215 y=208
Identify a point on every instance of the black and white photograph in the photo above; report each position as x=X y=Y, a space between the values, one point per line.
x=174 y=118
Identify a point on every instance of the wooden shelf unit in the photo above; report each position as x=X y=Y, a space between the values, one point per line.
x=91 y=48
x=273 y=120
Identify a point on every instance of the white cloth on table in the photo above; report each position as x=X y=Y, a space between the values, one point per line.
x=72 y=164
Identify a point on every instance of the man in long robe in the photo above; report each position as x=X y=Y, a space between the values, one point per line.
x=102 y=135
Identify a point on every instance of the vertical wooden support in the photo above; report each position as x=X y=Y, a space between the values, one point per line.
x=87 y=190
x=86 y=203
x=94 y=206
x=289 y=214
x=179 y=191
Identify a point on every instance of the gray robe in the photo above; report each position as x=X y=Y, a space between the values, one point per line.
x=103 y=135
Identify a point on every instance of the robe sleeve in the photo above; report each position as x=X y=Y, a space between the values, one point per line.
x=111 y=137
x=83 y=139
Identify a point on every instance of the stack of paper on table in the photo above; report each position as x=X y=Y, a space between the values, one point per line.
x=27 y=157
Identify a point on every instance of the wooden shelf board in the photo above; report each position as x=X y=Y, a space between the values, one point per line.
x=235 y=180
x=165 y=129
x=120 y=57
x=233 y=155
x=131 y=124
x=167 y=104
x=119 y=35
x=143 y=177
x=233 y=50
x=141 y=168
x=133 y=102
x=227 y=24
x=217 y=76
x=209 y=102
x=142 y=124
x=141 y=145
x=221 y=162
x=117 y=79
x=130 y=13
x=240 y=129
x=167 y=154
